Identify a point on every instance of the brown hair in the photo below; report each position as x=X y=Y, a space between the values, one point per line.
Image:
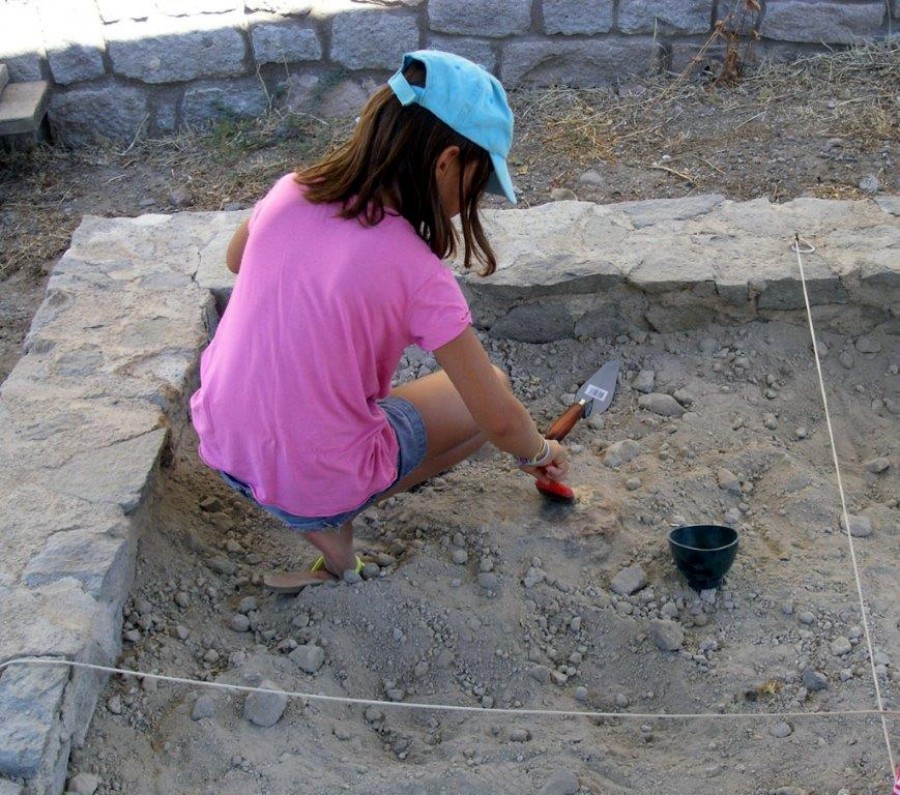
x=389 y=162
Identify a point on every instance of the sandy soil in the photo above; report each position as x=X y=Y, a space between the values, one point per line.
x=481 y=595
x=485 y=596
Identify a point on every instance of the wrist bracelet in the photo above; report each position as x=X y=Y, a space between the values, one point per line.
x=544 y=457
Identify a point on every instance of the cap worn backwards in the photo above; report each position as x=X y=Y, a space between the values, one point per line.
x=469 y=100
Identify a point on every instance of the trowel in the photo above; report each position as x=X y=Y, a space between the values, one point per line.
x=594 y=396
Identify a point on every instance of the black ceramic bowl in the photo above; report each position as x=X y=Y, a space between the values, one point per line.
x=703 y=553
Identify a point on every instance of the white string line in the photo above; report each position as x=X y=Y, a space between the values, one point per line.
x=484 y=711
x=805 y=247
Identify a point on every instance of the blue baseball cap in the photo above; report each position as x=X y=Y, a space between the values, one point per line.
x=469 y=100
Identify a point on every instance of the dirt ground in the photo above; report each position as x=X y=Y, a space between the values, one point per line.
x=480 y=594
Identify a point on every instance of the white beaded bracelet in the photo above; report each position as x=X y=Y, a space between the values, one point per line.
x=540 y=460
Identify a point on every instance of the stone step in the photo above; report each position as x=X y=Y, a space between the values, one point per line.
x=4 y=76
x=22 y=107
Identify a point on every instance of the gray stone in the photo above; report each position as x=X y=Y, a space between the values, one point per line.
x=175 y=50
x=622 y=452
x=561 y=782
x=860 y=526
x=495 y=18
x=207 y=102
x=728 y=481
x=644 y=381
x=629 y=580
x=265 y=709
x=86 y=115
x=204 y=707
x=667 y=635
x=73 y=35
x=841 y=646
x=30 y=699
x=284 y=44
x=83 y=784
x=308 y=658
x=476 y=50
x=811 y=21
x=878 y=465
x=662 y=404
x=579 y=64
x=100 y=561
x=781 y=730
x=813 y=680
x=536 y=322
x=286 y=7
x=372 y=39
x=578 y=16
x=664 y=17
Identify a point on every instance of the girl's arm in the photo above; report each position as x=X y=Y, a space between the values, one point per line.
x=496 y=410
x=236 y=248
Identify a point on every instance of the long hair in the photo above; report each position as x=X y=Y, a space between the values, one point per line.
x=388 y=164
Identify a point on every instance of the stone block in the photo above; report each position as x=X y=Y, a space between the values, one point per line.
x=284 y=43
x=84 y=116
x=571 y=17
x=117 y=10
x=373 y=38
x=816 y=22
x=22 y=107
x=4 y=76
x=208 y=102
x=578 y=64
x=284 y=7
x=655 y=212
x=21 y=41
x=663 y=17
x=118 y=475
x=492 y=18
x=180 y=8
x=102 y=562
x=174 y=49
x=74 y=39
x=476 y=50
x=545 y=321
x=30 y=699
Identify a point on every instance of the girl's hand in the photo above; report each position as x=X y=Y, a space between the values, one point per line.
x=558 y=466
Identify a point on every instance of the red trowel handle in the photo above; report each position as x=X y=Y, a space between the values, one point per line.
x=560 y=492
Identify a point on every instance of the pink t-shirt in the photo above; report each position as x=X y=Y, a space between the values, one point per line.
x=319 y=318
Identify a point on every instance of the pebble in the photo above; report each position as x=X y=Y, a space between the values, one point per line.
x=563 y=195
x=860 y=526
x=644 y=381
x=632 y=484
x=781 y=730
x=83 y=784
x=460 y=557
x=867 y=344
x=519 y=735
x=728 y=481
x=581 y=694
x=239 y=623
x=814 y=680
x=204 y=707
x=265 y=709
x=662 y=404
x=667 y=635
x=533 y=576
x=870 y=184
x=308 y=657
x=619 y=453
x=846 y=359
x=540 y=673
x=561 y=782
x=182 y=599
x=629 y=580
x=878 y=465
x=841 y=646
x=489 y=581
x=247 y=605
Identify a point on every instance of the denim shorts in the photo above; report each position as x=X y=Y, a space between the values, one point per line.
x=409 y=429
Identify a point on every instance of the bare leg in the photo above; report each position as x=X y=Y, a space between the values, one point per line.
x=336 y=546
x=453 y=435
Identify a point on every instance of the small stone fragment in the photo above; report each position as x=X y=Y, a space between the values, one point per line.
x=265 y=709
x=860 y=526
x=781 y=730
x=629 y=580
x=619 y=453
x=204 y=707
x=662 y=404
x=308 y=658
x=561 y=782
x=667 y=635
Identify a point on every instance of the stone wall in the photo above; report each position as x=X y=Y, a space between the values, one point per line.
x=123 y=68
